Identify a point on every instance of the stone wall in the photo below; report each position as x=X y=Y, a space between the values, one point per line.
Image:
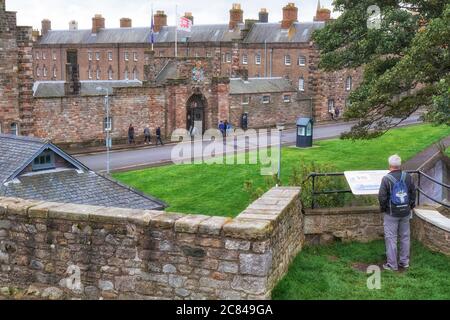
x=93 y=252
x=432 y=229
x=268 y=115
x=362 y=224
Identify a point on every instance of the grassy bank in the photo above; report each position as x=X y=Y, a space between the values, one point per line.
x=218 y=189
x=339 y=272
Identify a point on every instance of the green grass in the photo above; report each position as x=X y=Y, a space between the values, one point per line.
x=218 y=189
x=326 y=272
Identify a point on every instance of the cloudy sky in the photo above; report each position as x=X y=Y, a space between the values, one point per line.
x=60 y=12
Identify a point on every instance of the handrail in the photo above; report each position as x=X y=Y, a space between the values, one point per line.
x=315 y=193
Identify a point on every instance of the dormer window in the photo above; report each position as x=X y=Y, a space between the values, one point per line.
x=45 y=161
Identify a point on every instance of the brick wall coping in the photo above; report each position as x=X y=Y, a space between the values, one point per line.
x=255 y=223
x=340 y=211
x=434 y=217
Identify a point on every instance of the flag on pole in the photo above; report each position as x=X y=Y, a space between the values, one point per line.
x=184 y=24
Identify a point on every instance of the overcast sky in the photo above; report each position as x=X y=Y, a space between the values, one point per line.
x=60 y=12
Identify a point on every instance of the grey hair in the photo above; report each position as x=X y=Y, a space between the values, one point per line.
x=395 y=161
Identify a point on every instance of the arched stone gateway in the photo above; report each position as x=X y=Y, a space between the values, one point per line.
x=195 y=118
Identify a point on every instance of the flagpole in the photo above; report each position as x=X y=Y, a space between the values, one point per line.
x=152 y=35
x=176 y=31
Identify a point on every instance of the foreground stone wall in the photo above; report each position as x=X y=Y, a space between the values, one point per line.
x=323 y=226
x=432 y=229
x=94 y=252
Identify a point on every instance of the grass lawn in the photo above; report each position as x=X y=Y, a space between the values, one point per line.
x=339 y=272
x=219 y=189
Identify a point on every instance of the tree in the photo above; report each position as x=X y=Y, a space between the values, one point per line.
x=404 y=54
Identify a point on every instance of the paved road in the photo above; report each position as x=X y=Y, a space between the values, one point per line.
x=152 y=156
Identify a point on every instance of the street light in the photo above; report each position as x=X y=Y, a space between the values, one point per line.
x=108 y=127
x=280 y=127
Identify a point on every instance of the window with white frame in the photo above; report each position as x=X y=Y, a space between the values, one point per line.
x=44 y=55
x=110 y=74
x=89 y=73
x=107 y=124
x=98 y=74
x=245 y=100
x=126 y=74
x=38 y=72
x=228 y=57
x=244 y=59
x=97 y=56
x=208 y=54
x=266 y=99
x=90 y=56
x=302 y=61
x=135 y=56
x=348 y=83
x=258 y=58
x=331 y=105
x=301 y=84
x=126 y=56
x=54 y=72
x=54 y=55
x=14 y=128
x=135 y=74
x=287 y=98
x=37 y=55
x=110 y=56
x=287 y=60
x=45 y=72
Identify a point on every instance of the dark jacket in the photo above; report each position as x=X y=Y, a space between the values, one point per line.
x=384 y=194
x=158 y=132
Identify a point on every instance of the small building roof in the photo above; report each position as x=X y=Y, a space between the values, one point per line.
x=304 y=121
x=47 y=89
x=75 y=184
x=260 y=85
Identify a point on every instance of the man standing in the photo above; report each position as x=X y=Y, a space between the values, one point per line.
x=158 y=136
x=397 y=198
x=131 y=134
x=147 y=136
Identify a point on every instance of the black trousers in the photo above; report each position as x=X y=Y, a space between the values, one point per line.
x=158 y=140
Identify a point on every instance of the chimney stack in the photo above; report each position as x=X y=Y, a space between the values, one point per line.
x=160 y=20
x=188 y=15
x=322 y=14
x=73 y=25
x=290 y=15
x=98 y=22
x=125 y=23
x=263 y=15
x=236 y=16
x=46 y=26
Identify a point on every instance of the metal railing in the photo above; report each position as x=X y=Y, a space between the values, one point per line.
x=420 y=191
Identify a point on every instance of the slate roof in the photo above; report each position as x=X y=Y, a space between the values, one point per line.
x=260 y=85
x=45 y=89
x=72 y=186
x=200 y=33
x=259 y=32
x=76 y=185
x=272 y=32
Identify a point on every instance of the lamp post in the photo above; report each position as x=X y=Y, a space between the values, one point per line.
x=280 y=127
x=108 y=127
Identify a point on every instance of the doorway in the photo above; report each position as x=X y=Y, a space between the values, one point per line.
x=195 y=123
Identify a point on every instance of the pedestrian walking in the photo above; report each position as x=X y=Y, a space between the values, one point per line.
x=147 y=136
x=158 y=136
x=131 y=135
x=337 y=112
x=222 y=128
x=397 y=197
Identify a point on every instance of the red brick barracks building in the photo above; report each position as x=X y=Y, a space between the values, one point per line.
x=268 y=71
